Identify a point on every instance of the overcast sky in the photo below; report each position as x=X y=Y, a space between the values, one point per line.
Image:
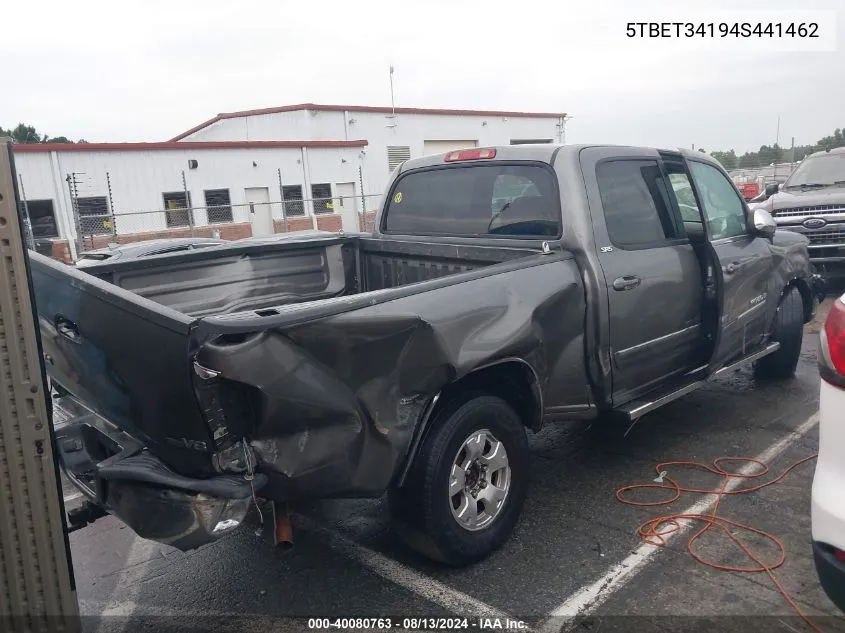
x=145 y=71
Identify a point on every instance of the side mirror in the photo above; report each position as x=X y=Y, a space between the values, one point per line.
x=771 y=189
x=764 y=223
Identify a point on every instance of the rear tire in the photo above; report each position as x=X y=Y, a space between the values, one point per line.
x=788 y=330
x=475 y=444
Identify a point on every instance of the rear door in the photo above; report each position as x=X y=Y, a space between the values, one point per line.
x=651 y=270
x=744 y=262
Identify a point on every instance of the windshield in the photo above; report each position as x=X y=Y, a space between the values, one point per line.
x=493 y=199
x=826 y=169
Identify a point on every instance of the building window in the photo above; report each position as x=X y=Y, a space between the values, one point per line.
x=396 y=155
x=293 y=200
x=42 y=219
x=219 y=205
x=177 y=208
x=94 y=216
x=529 y=141
x=322 y=196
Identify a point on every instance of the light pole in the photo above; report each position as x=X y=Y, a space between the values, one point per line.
x=561 y=128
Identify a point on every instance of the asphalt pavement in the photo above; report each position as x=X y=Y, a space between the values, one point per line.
x=575 y=561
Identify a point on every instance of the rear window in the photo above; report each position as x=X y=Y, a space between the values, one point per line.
x=494 y=199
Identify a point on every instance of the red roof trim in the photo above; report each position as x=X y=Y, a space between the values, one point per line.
x=171 y=145
x=353 y=108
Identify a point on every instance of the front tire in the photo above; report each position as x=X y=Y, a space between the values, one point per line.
x=788 y=330
x=465 y=490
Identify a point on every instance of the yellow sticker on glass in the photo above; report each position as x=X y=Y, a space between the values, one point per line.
x=398 y=197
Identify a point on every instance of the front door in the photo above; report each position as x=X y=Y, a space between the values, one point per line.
x=347 y=206
x=652 y=273
x=260 y=213
x=744 y=263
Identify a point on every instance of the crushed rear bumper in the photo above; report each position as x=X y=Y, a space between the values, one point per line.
x=116 y=473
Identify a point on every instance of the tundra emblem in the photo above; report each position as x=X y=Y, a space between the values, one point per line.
x=814 y=223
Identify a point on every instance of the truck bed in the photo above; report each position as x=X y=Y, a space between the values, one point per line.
x=262 y=278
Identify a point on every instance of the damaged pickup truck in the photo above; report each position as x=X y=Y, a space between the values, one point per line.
x=502 y=289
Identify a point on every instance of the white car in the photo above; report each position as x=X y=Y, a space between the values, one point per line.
x=828 y=496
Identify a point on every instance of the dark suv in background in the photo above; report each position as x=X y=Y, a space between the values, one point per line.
x=812 y=202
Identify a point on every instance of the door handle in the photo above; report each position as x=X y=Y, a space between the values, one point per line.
x=733 y=267
x=68 y=329
x=626 y=283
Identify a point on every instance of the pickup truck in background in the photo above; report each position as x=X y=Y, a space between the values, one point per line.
x=502 y=289
x=812 y=202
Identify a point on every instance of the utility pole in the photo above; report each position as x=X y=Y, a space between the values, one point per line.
x=792 y=156
x=392 y=102
x=561 y=128
x=188 y=206
x=282 y=194
x=113 y=219
x=73 y=188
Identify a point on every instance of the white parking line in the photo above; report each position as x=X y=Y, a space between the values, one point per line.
x=424 y=586
x=72 y=497
x=587 y=599
x=129 y=583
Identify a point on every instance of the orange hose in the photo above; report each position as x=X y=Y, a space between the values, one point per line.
x=654 y=530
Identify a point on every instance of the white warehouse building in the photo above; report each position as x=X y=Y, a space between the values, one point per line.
x=392 y=134
x=253 y=172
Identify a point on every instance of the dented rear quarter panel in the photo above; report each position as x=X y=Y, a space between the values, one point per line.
x=342 y=395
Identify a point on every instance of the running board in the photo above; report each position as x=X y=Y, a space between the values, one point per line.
x=639 y=408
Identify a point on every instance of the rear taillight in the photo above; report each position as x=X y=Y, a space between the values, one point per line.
x=832 y=345
x=470 y=154
x=839 y=554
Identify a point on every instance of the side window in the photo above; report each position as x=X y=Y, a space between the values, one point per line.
x=636 y=203
x=682 y=188
x=723 y=207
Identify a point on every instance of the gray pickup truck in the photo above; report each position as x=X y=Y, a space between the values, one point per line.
x=812 y=202
x=502 y=289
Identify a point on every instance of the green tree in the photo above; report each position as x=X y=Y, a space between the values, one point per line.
x=728 y=159
x=768 y=154
x=749 y=159
x=837 y=139
x=27 y=134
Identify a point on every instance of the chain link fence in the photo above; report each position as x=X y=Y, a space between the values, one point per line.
x=99 y=226
x=91 y=217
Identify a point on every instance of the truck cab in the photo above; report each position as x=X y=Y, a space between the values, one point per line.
x=502 y=289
